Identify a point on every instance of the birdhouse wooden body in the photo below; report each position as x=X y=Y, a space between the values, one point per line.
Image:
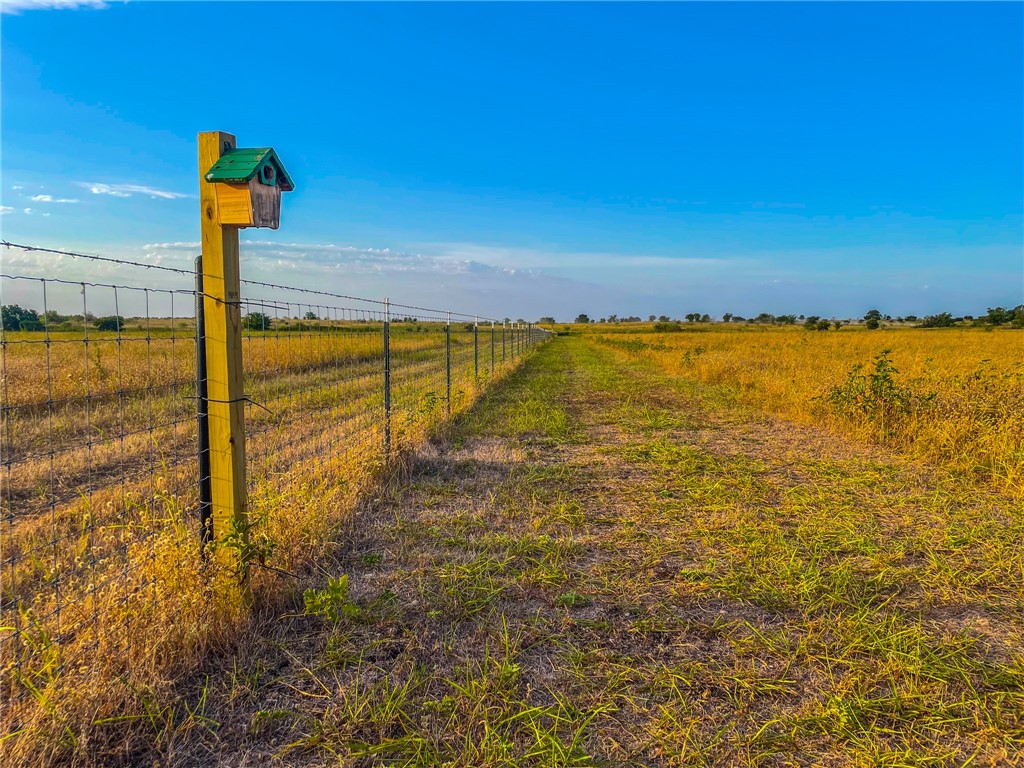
x=248 y=184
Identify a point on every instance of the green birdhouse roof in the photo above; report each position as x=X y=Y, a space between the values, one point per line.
x=239 y=166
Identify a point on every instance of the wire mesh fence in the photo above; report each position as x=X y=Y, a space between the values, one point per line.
x=102 y=450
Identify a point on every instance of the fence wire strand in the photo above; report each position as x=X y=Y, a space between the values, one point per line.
x=100 y=448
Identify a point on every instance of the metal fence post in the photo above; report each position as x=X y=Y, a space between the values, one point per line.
x=476 y=349
x=492 y=347
x=203 y=419
x=503 y=341
x=387 y=379
x=448 y=362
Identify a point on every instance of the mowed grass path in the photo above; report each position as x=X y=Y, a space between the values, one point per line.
x=604 y=566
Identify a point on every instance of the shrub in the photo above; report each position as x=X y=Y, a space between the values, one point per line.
x=941 y=320
x=256 y=321
x=875 y=397
x=110 y=323
x=16 y=318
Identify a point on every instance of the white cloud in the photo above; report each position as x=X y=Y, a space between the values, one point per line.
x=15 y=7
x=444 y=281
x=128 y=190
x=577 y=262
x=16 y=187
x=51 y=199
x=495 y=281
x=28 y=210
x=5 y=209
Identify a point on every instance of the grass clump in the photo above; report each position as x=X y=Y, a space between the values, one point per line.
x=874 y=396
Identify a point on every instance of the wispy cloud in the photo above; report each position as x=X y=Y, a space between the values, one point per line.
x=51 y=199
x=15 y=7
x=439 y=280
x=354 y=260
x=5 y=209
x=27 y=210
x=129 y=190
x=17 y=187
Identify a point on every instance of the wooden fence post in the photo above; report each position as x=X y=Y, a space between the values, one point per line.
x=221 y=300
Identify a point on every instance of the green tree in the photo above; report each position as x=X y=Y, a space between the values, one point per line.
x=727 y=317
x=110 y=323
x=999 y=316
x=547 y=320
x=16 y=318
x=581 y=318
x=256 y=321
x=941 y=320
x=837 y=324
x=310 y=316
x=872 y=323
x=872 y=314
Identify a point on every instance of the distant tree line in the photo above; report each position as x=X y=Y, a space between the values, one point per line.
x=16 y=318
x=872 y=320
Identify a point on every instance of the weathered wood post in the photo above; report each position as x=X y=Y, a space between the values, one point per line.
x=237 y=188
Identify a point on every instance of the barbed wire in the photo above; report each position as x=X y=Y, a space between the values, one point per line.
x=105 y=442
x=259 y=283
x=95 y=257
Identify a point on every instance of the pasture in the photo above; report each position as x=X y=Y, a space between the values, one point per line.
x=721 y=546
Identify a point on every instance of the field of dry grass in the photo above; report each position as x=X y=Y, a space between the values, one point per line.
x=955 y=396
x=606 y=565
x=99 y=543
x=712 y=548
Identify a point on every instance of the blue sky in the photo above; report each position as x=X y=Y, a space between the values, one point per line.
x=536 y=159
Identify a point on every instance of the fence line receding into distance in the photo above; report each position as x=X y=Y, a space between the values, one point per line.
x=101 y=444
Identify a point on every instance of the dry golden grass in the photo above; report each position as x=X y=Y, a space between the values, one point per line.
x=604 y=564
x=102 y=574
x=956 y=395
x=68 y=368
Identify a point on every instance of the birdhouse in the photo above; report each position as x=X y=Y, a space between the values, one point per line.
x=248 y=184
